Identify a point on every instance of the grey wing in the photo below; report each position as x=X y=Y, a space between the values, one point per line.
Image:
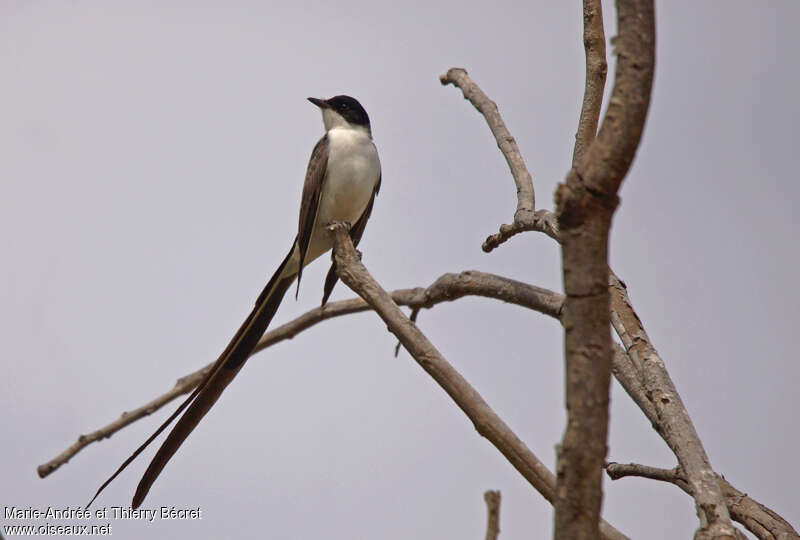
x=355 y=235
x=309 y=204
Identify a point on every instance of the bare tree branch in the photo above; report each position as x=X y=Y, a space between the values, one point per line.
x=542 y=221
x=447 y=288
x=671 y=419
x=525 y=218
x=629 y=377
x=615 y=471
x=492 y=499
x=594 y=43
x=585 y=203
x=628 y=370
x=757 y=518
x=184 y=385
x=353 y=273
x=592 y=99
x=637 y=367
x=413 y=316
x=505 y=142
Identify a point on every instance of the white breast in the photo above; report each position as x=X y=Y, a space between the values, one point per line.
x=353 y=172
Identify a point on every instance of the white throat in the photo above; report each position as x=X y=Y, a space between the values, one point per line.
x=334 y=120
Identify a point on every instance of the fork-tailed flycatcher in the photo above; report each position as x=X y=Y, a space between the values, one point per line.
x=342 y=179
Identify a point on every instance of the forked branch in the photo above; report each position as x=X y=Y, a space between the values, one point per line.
x=447 y=288
x=585 y=204
x=525 y=217
x=353 y=273
x=757 y=518
x=627 y=367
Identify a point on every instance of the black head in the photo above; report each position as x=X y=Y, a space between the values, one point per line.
x=349 y=108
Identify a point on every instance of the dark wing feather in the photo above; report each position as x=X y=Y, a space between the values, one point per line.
x=309 y=203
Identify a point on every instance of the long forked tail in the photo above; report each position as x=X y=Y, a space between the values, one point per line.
x=208 y=391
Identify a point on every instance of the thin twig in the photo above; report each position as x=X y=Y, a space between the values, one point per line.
x=184 y=385
x=492 y=499
x=594 y=44
x=458 y=77
x=447 y=288
x=542 y=221
x=413 y=317
x=353 y=273
x=525 y=218
x=615 y=471
x=757 y=518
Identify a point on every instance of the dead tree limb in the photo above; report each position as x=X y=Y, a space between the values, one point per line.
x=447 y=288
x=525 y=218
x=585 y=204
x=492 y=499
x=628 y=371
x=353 y=273
x=757 y=518
x=668 y=414
x=594 y=44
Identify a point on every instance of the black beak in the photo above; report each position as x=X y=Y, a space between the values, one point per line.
x=321 y=103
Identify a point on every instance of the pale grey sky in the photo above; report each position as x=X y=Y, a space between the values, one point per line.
x=152 y=159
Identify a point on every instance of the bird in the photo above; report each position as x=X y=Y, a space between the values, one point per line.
x=342 y=179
